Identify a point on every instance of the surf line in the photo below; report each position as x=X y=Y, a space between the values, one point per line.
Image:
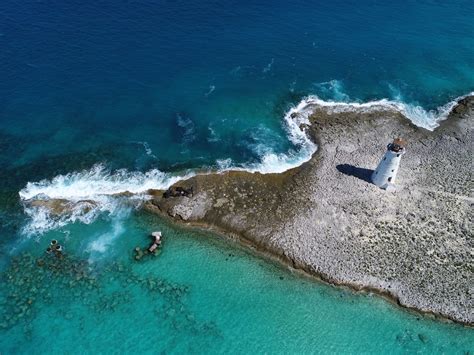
x=99 y=190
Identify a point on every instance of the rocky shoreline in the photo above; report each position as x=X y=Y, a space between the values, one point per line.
x=325 y=217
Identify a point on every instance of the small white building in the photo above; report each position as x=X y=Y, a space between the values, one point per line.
x=386 y=172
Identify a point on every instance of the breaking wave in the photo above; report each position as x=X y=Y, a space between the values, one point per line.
x=272 y=162
x=428 y=119
x=90 y=193
x=86 y=194
x=98 y=181
x=211 y=90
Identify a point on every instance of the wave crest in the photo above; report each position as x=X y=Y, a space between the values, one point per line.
x=98 y=181
x=88 y=194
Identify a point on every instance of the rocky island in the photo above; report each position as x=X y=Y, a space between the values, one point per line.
x=326 y=218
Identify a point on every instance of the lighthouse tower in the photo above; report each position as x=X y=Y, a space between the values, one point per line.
x=386 y=172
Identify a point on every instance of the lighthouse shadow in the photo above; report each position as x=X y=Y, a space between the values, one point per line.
x=360 y=173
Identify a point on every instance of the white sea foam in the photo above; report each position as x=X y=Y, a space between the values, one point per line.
x=97 y=191
x=213 y=136
x=224 y=164
x=90 y=193
x=418 y=115
x=272 y=162
x=102 y=243
x=147 y=148
x=211 y=90
x=268 y=67
x=42 y=219
x=187 y=124
x=98 y=181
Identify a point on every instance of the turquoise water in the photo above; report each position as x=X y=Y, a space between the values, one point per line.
x=106 y=97
x=200 y=295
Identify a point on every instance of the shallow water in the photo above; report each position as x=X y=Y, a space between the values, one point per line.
x=200 y=295
x=161 y=89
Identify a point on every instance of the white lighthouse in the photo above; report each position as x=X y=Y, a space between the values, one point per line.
x=386 y=172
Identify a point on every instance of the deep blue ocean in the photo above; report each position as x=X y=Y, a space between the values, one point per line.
x=110 y=96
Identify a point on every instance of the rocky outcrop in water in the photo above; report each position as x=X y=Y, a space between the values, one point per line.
x=31 y=283
x=326 y=218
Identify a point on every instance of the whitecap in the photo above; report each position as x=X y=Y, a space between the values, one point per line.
x=95 y=182
x=88 y=194
x=211 y=90
x=268 y=67
x=224 y=164
x=214 y=136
